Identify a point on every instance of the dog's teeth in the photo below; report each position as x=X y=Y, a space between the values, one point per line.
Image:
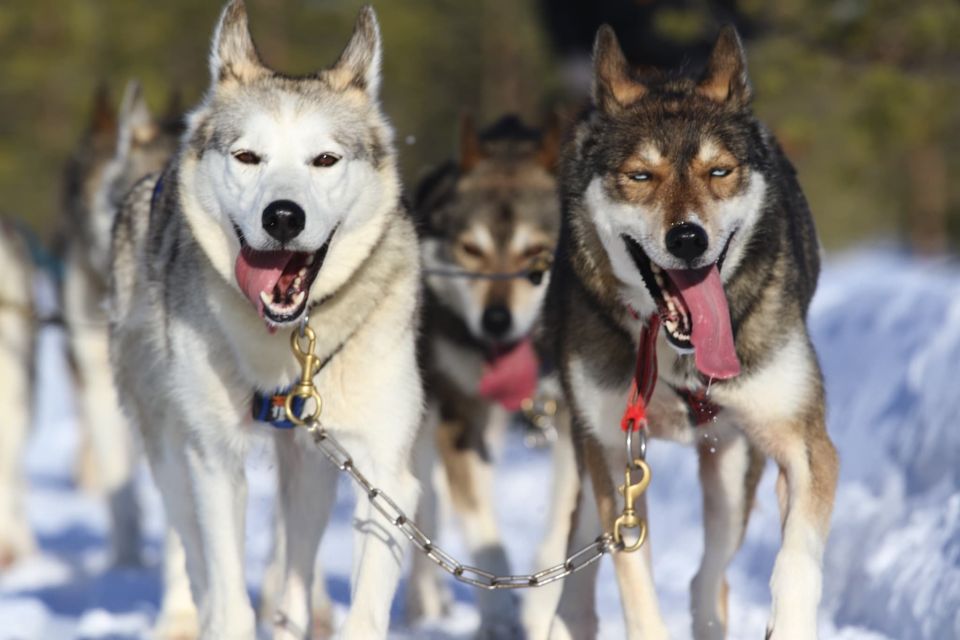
x=264 y=297
x=303 y=272
x=655 y=268
x=298 y=280
x=310 y=259
x=298 y=298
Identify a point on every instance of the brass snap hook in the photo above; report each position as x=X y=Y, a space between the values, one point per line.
x=631 y=492
x=309 y=366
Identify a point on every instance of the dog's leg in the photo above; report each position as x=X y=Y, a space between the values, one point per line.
x=808 y=477
x=426 y=596
x=110 y=440
x=16 y=539
x=378 y=546
x=204 y=490
x=540 y=605
x=307 y=489
x=729 y=473
x=633 y=570
x=576 y=615
x=178 y=615
x=466 y=457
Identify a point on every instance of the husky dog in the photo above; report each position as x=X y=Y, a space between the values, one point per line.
x=281 y=207
x=494 y=212
x=16 y=364
x=115 y=153
x=678 y=202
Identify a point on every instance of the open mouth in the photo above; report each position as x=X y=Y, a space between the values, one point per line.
x=693 y=309
x=278 y=282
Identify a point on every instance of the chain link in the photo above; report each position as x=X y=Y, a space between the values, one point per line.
x=465 y=573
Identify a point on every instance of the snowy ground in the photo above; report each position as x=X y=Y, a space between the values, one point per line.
x=888 y=332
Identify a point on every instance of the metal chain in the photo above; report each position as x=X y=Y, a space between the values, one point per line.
x=467 y=574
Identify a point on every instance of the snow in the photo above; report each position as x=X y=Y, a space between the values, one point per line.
x=887 y=329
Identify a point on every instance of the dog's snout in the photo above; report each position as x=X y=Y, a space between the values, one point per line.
x=687 y=241
x=284 y=220
x=496 y=320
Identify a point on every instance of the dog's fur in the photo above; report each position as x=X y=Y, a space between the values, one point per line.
x=189 y=349
x=116 y=151
x=16 y=361
x=642 y=160
x=493 y=210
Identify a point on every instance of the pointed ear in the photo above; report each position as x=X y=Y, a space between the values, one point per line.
x=725 y=78
x=136 y=123
x=550 y=142
x=359 y=64
x=470 y=153
x=233 y=56
x=103 y=119
x=613 y=86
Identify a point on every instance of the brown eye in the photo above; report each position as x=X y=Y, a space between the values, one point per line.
x=533 y=251
x=325 y=160
x=247 y=157
x=720 y=172
x=472 y=250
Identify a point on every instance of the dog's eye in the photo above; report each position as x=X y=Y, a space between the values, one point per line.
x=325 y=160
x=247 y=157
x=640 y=176
x=720 y=172
x=471 y=249
x=533 y=251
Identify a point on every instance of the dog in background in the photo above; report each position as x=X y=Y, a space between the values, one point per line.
x=679 y=204
x=17 y=327
x=280 y=212
x=489 y=223
x=115 y=152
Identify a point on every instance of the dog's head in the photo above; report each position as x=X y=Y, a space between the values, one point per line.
x=117 y=150
x=495 y=211
x=675 y=189
x=284 y=177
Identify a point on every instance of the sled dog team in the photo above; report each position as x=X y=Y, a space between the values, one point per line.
x=664 y=225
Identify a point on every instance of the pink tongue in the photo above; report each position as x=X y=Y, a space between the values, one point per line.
x=258 y=271
x=512 y=377
x=712 y=336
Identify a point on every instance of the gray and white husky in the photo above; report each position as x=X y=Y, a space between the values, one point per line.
x=282 y=203
x=16 y=363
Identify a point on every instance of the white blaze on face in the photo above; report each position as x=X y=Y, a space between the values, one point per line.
x=526 y=298
x=464 y=296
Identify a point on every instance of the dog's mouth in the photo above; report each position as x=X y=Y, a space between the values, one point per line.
x=278 y=282
x=693 y=309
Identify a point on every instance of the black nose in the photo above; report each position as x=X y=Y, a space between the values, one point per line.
x=496 y=320
x=284 y=220
x=687 y=241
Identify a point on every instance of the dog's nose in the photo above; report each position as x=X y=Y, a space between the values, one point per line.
x=687 y=241
x=284 y=220
x=496 y=320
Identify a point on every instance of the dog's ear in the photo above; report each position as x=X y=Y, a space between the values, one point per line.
x=136 y=125
x=359 y=64
x=725 y=78
x=103 y=117
x=613 y=85
x=233 y=56
x=470 y=152
x=550 y=142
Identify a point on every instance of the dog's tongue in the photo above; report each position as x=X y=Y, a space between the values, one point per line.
x=510 y=378
x=712 y=335
x=258 y=271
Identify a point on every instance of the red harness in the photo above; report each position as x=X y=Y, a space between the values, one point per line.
x=701 y=408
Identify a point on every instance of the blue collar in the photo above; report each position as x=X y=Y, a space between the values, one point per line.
x=269 y=408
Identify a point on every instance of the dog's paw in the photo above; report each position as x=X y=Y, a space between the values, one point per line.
x=181 y=624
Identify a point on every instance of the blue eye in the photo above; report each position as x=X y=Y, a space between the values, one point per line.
x=640 y=176
x=720 y=172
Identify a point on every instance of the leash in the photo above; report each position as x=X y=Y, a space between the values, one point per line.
x=539 y=265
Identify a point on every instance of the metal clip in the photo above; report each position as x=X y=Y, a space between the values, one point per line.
x=309 y=366
x=631 y=492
